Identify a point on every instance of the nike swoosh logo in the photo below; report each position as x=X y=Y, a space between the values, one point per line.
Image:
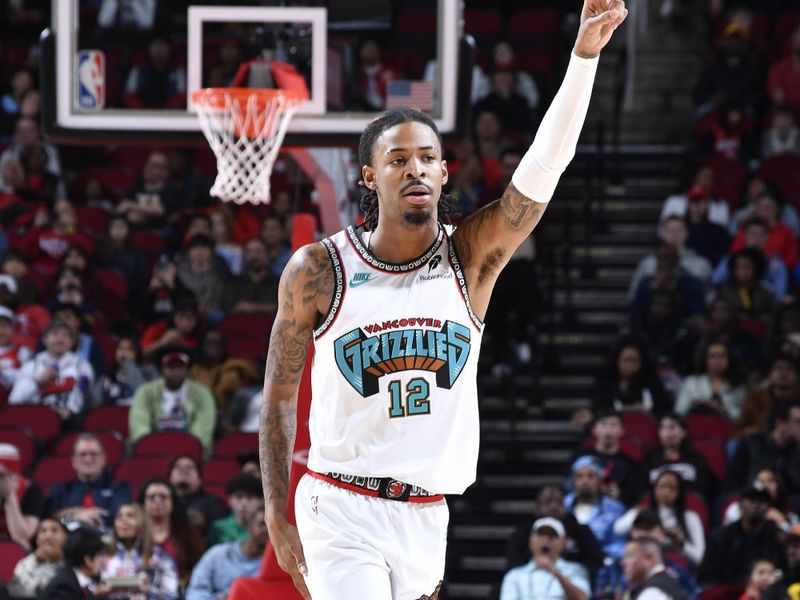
x=367 y=279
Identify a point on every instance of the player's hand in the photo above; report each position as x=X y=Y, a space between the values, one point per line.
x=289 y=552
x=599 y=19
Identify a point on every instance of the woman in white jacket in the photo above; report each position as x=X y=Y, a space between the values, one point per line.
x=716 y=389
x=683 y=526
x=55 y=377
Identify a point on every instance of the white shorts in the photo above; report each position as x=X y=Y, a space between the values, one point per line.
x=358 y=546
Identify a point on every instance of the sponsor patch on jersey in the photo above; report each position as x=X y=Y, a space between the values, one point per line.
x=363 y=359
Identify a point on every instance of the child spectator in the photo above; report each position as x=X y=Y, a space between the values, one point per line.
x=34 y=572
x=762 y=576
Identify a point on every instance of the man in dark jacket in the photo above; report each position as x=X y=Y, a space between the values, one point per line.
x=76 y=578
x=93 y=497
x=730 y=550
x=646 y=574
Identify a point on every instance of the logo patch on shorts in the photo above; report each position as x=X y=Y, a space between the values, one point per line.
x=315 y=504
x=395 y=489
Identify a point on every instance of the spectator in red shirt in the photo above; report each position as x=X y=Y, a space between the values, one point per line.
x=781 y=241
x=47 y=246
x=183 y=328
x=784 y=76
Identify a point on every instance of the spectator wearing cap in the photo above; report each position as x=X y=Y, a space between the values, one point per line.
x=780 y=510
x=12 y=355
x=702 y=186
x=204 y=274
x=204 y=508
x=580 y=545
x=55 y=377
x=22 y=500
x=214 y=574
x=173 y=402
x=591 y=507
x=731 y=549
x=547 y=575
x=647 y=576
x=623 y=473
x=780 y=241
x=709 y=239
x=674 y=232
x=776 y=276
x=782 y=386
x=244 y=495
x=257 y=289
x=182 y=328
x=76 y=579
x=93 y=497
x=778 y=449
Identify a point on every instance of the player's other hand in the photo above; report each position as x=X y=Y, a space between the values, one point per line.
x=289 y=552
x=599 y=19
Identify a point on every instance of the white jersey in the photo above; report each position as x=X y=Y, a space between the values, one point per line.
x=394 y=371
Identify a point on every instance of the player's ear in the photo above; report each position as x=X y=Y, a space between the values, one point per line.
x=368 y=173
x=444 y=172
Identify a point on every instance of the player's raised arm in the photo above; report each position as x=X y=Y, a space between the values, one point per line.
x=487 y=238
x=306 y=283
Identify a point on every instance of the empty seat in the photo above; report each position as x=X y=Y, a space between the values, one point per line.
x=642 y=426
x=709 y=427
x=218 y=471
x=114 y=418
x=138 y=469
x=249 y=325
x=113 y=282
x=10 y=554
x=714 y=453
x=42 y=422
x=53 y=469
x=169 y=444
x=234 y=443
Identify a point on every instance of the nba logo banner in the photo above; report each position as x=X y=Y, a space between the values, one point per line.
x=417 y=94
x=91 y=79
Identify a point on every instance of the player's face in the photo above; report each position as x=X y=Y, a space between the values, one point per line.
x=408 y=173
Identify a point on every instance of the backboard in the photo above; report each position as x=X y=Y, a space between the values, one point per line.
x=122 y=75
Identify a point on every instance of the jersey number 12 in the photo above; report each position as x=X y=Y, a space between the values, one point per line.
x=416 y=400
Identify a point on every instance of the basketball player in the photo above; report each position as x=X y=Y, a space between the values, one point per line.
x=394 y=310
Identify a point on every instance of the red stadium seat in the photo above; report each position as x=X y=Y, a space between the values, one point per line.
x=714 y=453
x=486 y=26
x=249 y=325
x=784 y=171
x=23 y=442
x=534 y=28
x=218 y=471
x=114 y=418
x=641 y=426
x=416 y=22
x=111 y=281
x=722 y=592
x=150 y=243
x=41 y=421
x=138 y=469
x=93 y=218
x=169 y=444
x=234 y=443
x=111 y=441
x=729 y=179
x=53 y=469
x=247 y=348
x=697 y=503
x=10 y=554
x=709 y=427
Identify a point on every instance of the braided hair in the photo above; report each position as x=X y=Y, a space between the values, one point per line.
x=366 y=145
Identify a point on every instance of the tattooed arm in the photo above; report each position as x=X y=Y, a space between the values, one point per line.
x=304 y=294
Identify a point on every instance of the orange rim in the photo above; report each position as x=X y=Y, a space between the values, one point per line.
x=215 y=97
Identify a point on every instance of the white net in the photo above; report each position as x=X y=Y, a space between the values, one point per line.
x=245 y=134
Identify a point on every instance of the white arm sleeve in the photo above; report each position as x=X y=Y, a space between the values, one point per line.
x=554 y=145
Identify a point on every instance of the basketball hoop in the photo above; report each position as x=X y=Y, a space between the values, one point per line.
x=245 y=128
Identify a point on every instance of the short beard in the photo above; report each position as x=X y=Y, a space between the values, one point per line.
x=417 y=217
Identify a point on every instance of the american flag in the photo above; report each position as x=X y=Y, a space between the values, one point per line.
x=418 y=94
